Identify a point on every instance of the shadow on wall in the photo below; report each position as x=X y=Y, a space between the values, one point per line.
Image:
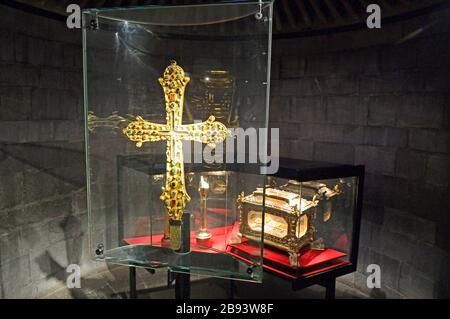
x=40 y=220
x=50 y=158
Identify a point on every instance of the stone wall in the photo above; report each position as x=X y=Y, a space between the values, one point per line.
x=379 y=98
x=43 y=218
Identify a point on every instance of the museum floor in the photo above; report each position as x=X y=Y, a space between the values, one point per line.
x=113 y=283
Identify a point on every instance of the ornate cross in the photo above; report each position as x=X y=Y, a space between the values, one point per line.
x=174 y=132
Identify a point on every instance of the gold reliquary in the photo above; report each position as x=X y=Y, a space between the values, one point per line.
x=289 y=218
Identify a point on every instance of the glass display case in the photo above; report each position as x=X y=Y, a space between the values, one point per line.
x=164 y=85
x=165 y=88
x=312 y=220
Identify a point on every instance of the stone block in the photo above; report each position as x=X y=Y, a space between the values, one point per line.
x=432 y=261
x=383 y=110
x=346 y=110
x=72 y=178
x=385 y=136
x=419 y=110
x=410 y=164
x=30 y=50
x=44 y=210
x=308 y=110
x=320 y=64
x=305 y=86
x=73 y=81
x=19 y=74
x=436 y=80
x=50 y=104
x=398 y=56
x=54 y=52
x=69 y=130
x=302 y=149
x=15 y=103
x=382 y=189
x=338 y=84
x=39 y=131
x=373 y=214
x=292 y=67
x=443 y=289
x=51 y=78
x=393 y=82
x=35 y=236
x=15 y=277
x=7 y=49
x=334 y=153
x=357 y=62
x=280 y=109
x=409 y=225
x=11 y=246
x=394 y=245
x=10 y=164
x=438 y=170
x=287 y=130
x=320 y=132
x=10 y=190
x=430 y=140
x=73 y=56
x=414 y=284
x=39 y=185
x=415 y=198
x=376 y=159
x=434 y=51
x=369 y=234
x=60 y=32
x=7 y=223
x=442 y=238
x=352 y=134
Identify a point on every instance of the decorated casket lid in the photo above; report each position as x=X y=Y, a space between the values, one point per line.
x=288 y=202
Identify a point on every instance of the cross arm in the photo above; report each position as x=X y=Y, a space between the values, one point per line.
x=141 y=131
x=209 y=132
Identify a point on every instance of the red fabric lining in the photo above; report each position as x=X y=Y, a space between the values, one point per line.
x=311 y=261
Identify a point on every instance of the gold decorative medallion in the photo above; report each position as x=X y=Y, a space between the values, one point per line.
x=210 y=132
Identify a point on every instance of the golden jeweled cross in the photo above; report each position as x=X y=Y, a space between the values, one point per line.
x=174 y=193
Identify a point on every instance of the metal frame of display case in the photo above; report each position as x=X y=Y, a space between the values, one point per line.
x=299 y=170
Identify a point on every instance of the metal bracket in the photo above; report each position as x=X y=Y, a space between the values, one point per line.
x=259 y=15
x=170 y=278
x=99 y=251
x=93 y=23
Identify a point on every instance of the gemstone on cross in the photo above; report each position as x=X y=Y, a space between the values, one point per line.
x=174 y=132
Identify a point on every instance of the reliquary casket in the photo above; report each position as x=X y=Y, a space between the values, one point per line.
x=290 y=215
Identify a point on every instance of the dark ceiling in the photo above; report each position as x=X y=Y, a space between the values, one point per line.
x=291 y=17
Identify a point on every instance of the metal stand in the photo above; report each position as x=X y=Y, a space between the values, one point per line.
x=183 y=281
x=330 y=288
x=133 y=292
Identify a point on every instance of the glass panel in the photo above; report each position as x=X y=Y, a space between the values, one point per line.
x=162 y=86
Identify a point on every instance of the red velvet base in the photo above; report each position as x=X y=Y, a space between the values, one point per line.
x=216 y=244
x=311 y=261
